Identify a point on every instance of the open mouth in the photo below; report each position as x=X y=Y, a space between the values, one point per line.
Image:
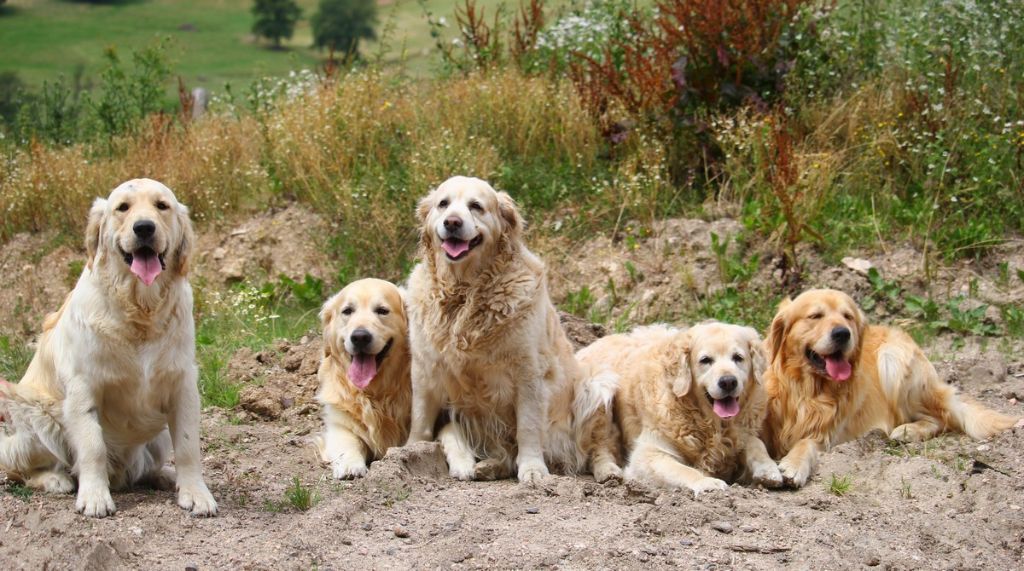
x=364 y=366
x=835 y=366
x=726 y=407
x=145 y=263
x=457 y=249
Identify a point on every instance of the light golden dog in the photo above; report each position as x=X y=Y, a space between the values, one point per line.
x=486 y=341
x=690 y=404
x=364 y=376
x=833 y=378
x=113 y=382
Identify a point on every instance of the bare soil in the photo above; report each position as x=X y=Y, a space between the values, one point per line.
x=949 y=503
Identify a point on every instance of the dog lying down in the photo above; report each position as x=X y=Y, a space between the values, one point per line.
x=365 y=389
x=690 y=405
x=112 y=385
x=834 y=378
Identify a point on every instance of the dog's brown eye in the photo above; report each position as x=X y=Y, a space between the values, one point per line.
x=705 y=360
x=818 y=315
x=737 y=358
x=162 y=205
x=382 y=310
x=848 y=316
x=348 y=311
x=123 y=207
x=443 y=204
x=476 y=206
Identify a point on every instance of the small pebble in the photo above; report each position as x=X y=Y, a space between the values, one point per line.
x=401 y=531
x=367 y=527
x=685 y=542
x=191 y=567
x=873 y=561
x=747 y=528
x=346 y=541
x=533 y=510
x=722 y=526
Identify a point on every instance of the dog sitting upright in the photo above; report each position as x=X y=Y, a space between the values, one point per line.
x=113 y=383
x=364 y=376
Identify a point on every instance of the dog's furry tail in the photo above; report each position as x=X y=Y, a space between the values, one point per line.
x=977 y=421
x=595 y=393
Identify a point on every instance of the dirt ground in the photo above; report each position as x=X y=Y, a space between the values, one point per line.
x=950 y=503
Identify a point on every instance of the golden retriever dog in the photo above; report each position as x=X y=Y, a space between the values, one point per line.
x=113 y=383
x=486 y=341
x=365 y=389
x=690 y=404
x=834 y=378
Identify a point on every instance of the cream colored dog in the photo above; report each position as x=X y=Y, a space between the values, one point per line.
x=364 y=376
x=113 y=383
x=690 y=405
x=834 y=378
x=486 y=340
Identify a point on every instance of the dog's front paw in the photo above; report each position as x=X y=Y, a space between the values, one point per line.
x=490 y=469
x=462 y=469
x=707 y=485
x=909 y=433
x=531 y=473
x=348 y=470
x=95 y=502
x=608 y=473
x=794 y=474
x=198 y=500
x=767 y=474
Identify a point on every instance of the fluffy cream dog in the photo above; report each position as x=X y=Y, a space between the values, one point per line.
x=364 y=376
x=833 y=378
x=486 y=341
x=690 y=404
x=113 y=382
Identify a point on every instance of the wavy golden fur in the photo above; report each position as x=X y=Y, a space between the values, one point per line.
x=670 y=404
x=486 y=341
x=826 y=387
x=360 y=424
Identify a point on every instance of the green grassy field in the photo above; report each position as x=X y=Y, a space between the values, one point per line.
x=211 y=40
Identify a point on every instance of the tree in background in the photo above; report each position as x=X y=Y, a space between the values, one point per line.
x=275 y=19
x=340 y=24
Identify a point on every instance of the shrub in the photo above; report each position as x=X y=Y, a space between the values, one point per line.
x=275 y=19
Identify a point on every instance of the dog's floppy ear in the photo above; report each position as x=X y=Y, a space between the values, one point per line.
x=758 y=355
x=183 y=252
x=326 y=316
x=684 y=376
x=95 y=226
x=778 y=329
x=509 y=213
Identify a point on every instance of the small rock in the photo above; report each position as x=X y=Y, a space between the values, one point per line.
x=346 y=541
x=685 y=542
x=859 y=265
x=722 y=526
x=533 y=510
x=401 y=531
x=747 y=528
x=984 y=448
x=872 y=561
x=191 y=567
x=367 y=526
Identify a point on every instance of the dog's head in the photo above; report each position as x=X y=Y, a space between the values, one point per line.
x=141 y=229
x=722 y=361
x=465 y=221
x=821 y=329
x=363 y=324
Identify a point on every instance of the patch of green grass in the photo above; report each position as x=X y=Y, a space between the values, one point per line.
x=745 y=306
x=905 y=490
x=301 y=497
x=840 y=485
x=20 y=491
x=579 y=302
x=14 y=358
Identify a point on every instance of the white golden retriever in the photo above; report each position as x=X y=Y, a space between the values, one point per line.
x=486 y=341
x=113 y=382
x=365 y=390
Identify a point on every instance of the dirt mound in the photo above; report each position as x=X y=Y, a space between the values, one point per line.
x=290 y=241
x=36 y=273
x=280 y=381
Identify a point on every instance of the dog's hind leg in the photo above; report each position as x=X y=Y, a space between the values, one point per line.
x=153 y=470
x=55 y=481
x=916 y=431
x=461 y=459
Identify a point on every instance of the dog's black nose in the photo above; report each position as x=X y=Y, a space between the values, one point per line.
x=144 y=228
x=361 y=339
x=452 y=223
x=840 y=335
x=727 y=384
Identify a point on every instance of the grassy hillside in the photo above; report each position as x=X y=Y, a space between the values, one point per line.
x=212 y=42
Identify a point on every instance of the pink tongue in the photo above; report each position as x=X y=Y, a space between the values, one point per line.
x=147 y=268
x=362 y=370
x=727 y=407
x=838 y=369
x=455 y=248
